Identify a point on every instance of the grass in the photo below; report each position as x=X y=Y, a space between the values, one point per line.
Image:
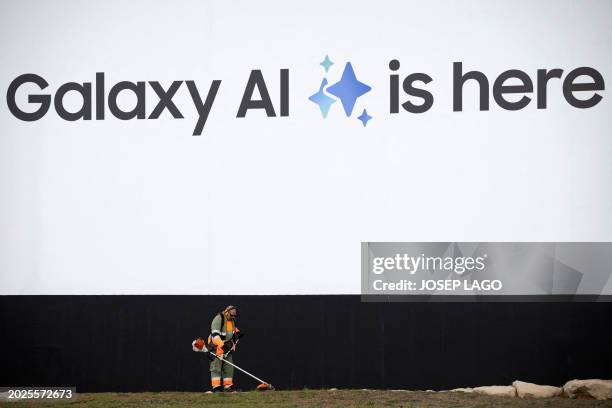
x=310 y=398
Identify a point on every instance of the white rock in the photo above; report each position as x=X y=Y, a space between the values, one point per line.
x=499 y=390
x=468 y=390
x=598 y=389
x=529 y=390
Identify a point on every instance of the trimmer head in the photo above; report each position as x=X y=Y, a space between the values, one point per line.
x=265 y=387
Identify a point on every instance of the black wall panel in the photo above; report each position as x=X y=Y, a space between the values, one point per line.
x=140 y=343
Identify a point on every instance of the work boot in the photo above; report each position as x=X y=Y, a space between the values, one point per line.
x=218 y=388
x=229 y=388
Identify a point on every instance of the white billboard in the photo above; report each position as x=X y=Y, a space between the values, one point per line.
x=321 y=125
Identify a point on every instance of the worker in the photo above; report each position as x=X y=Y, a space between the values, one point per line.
x=222 y=341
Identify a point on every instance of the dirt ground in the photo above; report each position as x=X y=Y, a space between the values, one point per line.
x=310 y=398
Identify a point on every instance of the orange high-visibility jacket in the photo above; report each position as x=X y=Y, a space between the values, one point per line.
x=222 y=330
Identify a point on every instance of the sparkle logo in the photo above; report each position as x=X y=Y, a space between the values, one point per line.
x=347 y=90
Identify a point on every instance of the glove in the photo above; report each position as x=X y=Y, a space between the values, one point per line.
x=229 y=345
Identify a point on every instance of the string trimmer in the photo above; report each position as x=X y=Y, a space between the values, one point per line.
x=263 y=386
